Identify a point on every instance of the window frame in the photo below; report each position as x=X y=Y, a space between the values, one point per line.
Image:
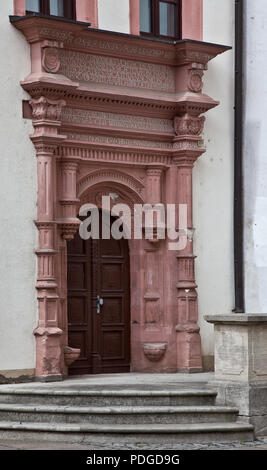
x=155 y=20
x=45 y=10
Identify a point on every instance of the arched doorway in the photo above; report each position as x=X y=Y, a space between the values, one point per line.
x=99 y=272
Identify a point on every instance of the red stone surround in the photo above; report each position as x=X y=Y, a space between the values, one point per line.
x=116 y=113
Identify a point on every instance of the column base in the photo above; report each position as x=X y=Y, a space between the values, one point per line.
x=188 y=348
x=49 y=378
x=48 y=352
x=190 y=371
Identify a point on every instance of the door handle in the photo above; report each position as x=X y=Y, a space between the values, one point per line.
x=99 y=304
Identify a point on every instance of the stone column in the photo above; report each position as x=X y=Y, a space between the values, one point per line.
x=188 y=336
x=188 y=130
x=46 y=115
x=241 y=365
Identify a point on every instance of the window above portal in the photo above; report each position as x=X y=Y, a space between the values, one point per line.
x=160 y=18
x=60 y=8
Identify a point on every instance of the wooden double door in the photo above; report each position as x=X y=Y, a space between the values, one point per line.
x=99 y=305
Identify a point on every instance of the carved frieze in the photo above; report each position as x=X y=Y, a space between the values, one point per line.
x=123 y=156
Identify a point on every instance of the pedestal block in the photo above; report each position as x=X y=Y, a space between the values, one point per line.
x=241 y=365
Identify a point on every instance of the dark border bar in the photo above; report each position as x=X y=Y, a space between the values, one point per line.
x=238 y=165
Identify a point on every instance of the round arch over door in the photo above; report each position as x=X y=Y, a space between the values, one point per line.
x=99 y=270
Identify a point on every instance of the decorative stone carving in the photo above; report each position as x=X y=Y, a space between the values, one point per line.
x=187 y=329
x=195 y=82
x=71 y=355
x=110 y=174
x=189 y=125
x=44 y=108
x=48 y=351
x=50 y=60
x=131 y=90
x=69 y=222
x=69 y=229
x=154 y=351
x=50 y=56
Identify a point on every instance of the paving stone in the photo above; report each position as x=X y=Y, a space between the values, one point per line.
x=24 y=445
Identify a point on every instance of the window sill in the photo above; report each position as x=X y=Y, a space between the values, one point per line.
x=15 y=18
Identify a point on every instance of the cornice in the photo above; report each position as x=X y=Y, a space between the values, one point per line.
x=80 y=37
x=84 y=70
x=164 y=105
x=122 y=73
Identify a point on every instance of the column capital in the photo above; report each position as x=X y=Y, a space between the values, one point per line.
x=185 y=160
x=46 y=109
x=188 y=125
x=153 y=171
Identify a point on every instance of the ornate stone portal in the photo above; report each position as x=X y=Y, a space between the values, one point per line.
x=123 y=114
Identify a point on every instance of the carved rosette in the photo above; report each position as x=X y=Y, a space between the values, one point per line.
x=154 y=352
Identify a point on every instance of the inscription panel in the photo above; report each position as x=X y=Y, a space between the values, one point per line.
x=122 y=121
x=116 y=72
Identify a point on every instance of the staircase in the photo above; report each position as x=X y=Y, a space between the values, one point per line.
x=137 y=414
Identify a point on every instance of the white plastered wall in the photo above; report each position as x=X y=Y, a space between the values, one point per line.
x=214 y=178
x=255 y=156
x=113 y=15
x=18 y=195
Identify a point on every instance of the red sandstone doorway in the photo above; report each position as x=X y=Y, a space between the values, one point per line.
x=99 y=272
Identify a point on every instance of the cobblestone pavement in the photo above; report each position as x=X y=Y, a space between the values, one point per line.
x=260 y=444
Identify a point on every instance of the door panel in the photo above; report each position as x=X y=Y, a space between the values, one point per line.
x=79 y=308
x=99 y=268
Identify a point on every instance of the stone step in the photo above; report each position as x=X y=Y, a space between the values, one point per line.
x=118 y=414
x=158 y=433
x=76 y=397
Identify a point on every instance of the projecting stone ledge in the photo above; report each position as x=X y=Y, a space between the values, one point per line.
x=241 y=365
x=235 y=318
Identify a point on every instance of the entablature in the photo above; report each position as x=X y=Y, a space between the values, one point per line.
x=121 y=93
x=82 y=63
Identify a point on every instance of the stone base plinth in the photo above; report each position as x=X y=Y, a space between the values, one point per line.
x=241 y=365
